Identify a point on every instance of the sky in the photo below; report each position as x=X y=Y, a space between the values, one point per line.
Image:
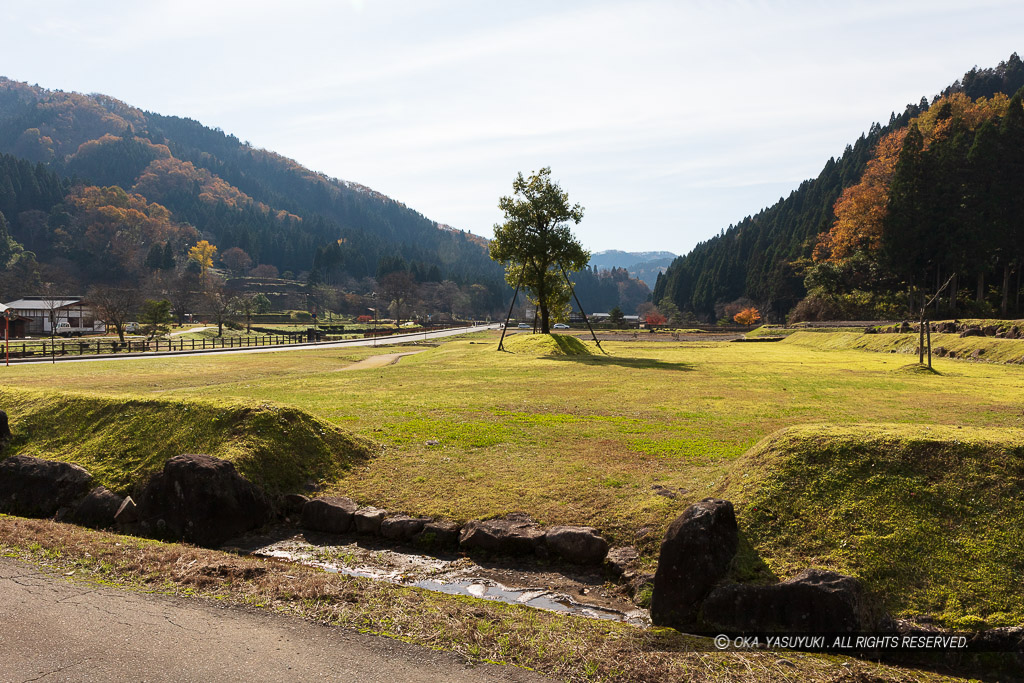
x=667 y=120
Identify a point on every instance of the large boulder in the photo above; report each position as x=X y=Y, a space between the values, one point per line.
x=515 y=535
x=972 y=332
x=5 y=429
x=813 y=601
x=695 y=555
x=33 y=487
x=576 y=544
x=98 y=509
x=330 y=514
x=203 y=500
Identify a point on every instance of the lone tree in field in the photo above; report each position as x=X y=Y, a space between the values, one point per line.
x=535 y=243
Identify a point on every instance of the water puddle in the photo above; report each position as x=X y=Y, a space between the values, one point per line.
x=583 y=595
x=540 y=598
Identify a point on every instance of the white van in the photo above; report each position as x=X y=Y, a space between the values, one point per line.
x=63 y=328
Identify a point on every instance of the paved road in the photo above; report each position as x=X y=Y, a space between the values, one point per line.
x=379 y=341
x=191 y=330
x=54 y=630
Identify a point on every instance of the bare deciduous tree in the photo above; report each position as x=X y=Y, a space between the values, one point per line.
x=114 y=305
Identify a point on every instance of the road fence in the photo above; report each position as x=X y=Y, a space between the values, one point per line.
x=84 y=347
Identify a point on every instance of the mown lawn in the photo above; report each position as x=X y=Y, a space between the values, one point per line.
x=579 y=439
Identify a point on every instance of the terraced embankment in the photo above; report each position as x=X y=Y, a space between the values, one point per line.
x=930 y=517
x=122 y=441
x=989 y=349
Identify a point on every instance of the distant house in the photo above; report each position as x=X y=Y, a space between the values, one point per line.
x=42 y=314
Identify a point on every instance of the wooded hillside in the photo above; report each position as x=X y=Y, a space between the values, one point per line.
x=278 y=212
x=906 y=206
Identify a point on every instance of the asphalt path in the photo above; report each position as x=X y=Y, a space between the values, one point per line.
x=54 y=629
x=378 y=341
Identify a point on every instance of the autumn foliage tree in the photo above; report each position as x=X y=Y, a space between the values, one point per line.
x=860 y=211
x=748 y=316
x=655 y=318
x=202 y=254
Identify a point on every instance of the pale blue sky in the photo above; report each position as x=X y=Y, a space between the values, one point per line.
x=667 y=120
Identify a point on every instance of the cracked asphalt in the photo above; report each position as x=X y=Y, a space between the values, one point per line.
x=56 y=629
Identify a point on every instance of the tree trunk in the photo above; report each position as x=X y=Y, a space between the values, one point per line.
x=952 y=296
x=981 y=288
x=1005 y=303
x=928 y=340
x=542 y=300
x=1017 y=305
x=920 y=338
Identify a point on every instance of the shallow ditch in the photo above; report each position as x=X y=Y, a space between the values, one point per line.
x=533 y=584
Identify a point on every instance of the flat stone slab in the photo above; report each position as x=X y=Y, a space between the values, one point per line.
x=401 y=527
x=576 y=544
x=502 y=536
x=332 y=515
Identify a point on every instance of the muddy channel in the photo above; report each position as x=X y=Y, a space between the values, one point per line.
x=579 y=591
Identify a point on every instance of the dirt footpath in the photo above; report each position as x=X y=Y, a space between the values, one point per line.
x=378 y=361
x=57 y=630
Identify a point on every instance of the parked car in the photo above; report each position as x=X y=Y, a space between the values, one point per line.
x=561 y=326
x=524 y=326
x=131 y=327
x=63 y=328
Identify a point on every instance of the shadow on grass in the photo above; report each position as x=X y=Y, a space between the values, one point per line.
x=748 y=566
x=637 y=363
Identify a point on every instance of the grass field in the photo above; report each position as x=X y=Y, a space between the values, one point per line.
x=585 y=439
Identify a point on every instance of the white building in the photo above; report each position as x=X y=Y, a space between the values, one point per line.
x=70 y=315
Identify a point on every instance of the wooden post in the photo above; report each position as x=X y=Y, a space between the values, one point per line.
x=924 y=322
x=508 y=317
x=582 y=312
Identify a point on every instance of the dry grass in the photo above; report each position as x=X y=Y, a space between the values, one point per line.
x=567 y=648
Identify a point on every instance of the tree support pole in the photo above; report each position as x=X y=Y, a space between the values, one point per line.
x=582 y=312
x=508 y=317
x=925 y=330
